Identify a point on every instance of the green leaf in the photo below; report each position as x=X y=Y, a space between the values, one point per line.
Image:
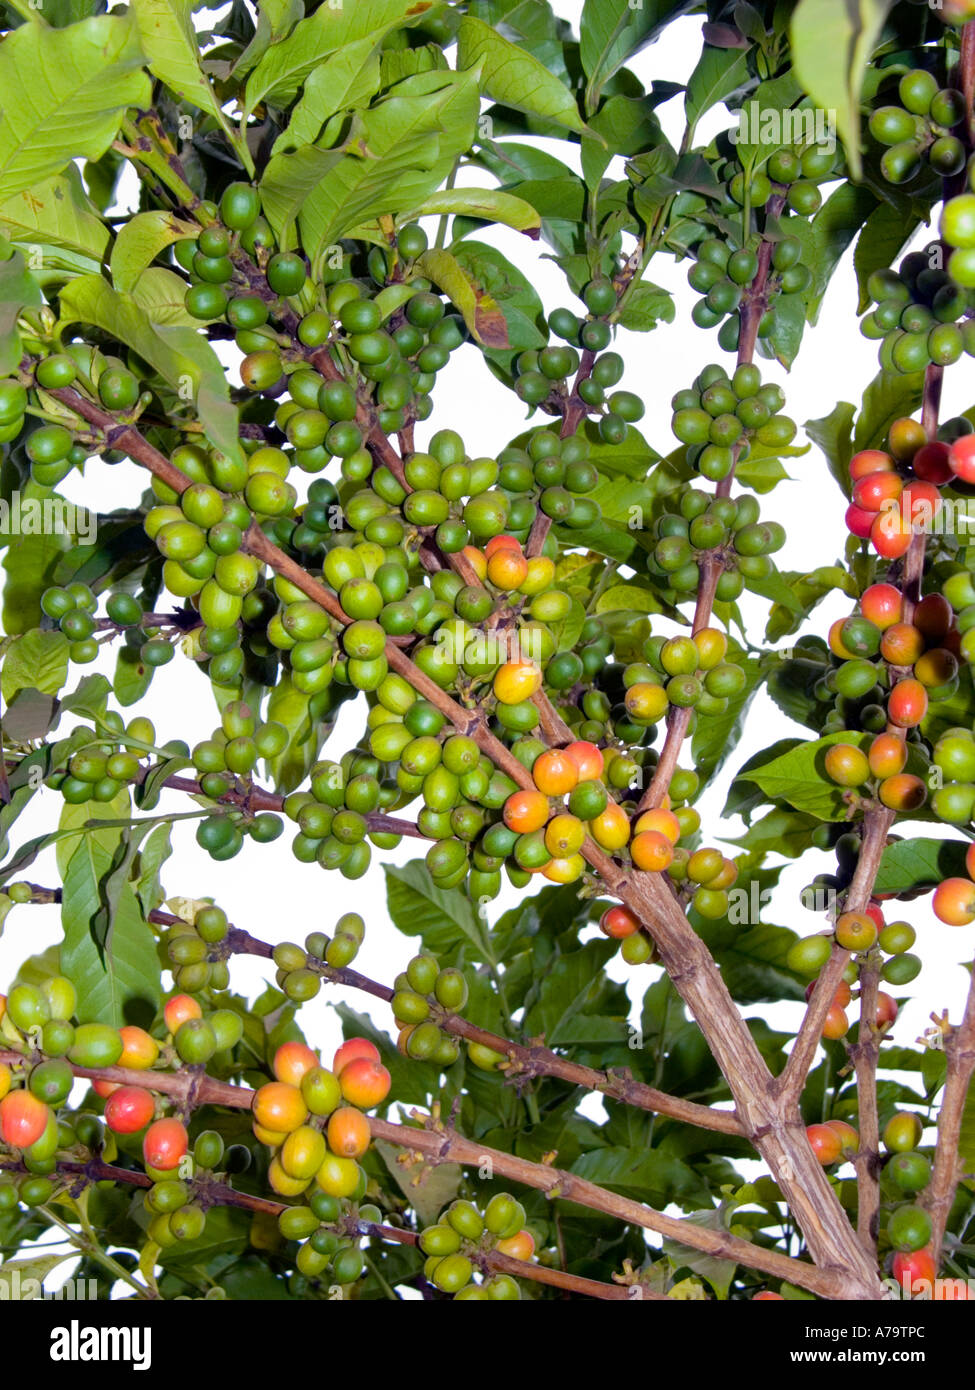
x=645 y=307
x=169 y=41
x=444 y=918
x=398 y=152
x=62 y=95
x=629 y=598
x=290 y=707
x=571 y=987
x=485 y=204
x=512 y=77
x=140 y=241
x=153 y=855
x=719 y=73
x=885 y=235
x=24 y=1274
x=132 y=678
x=289 y=180
x=18 y=291
x=780 y=832
x=623 y=126
x=833 y=433
x=647 y=1175
x=162 y=294
x=346 y=79
x=966 y=1136
x=55 y=212
x=828 y=235
x=284 y=67
x=494 y=277
x=798 y=777
x=35 y=661
x=108 y=951
x=752 y=959
x=920 y=863
x=832 y=42
x=612 y=30
x=886 y=399
x=479 y=310
x=181 y=356
x=800 y=595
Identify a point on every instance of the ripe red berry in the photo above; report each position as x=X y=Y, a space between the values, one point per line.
x=931 y=462
x=961 y=458
x=165 y=1144
x=129 y=1109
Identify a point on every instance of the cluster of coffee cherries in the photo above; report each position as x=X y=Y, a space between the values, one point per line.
x=683 y=672
x=39 y=1016
x=100 y=762
x=879 y=768
x=399 y=335
x=197 y=1037
x=313 y=1119
x=546 y=376
x=726 y=266
x=422 y=989
x=55 y=448
x=858 y=932
x=719 y=417
x=177 y=1215
x=389 y=320
x=905 y=1223
x=328 y=1236
x=37 y=1020
x=917 y=129
x=833 y=1141
x=729 y=528
x=456 y=1247
x=887 y=671
x=896 y=491
x=919 y=314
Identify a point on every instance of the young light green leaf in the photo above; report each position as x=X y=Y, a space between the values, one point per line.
x=288 y=181
x=162 y=293
x=63 y=93
x=284 y=67
x=397 y=154
x=486 y=204
x=169 y=41
x=36 y=661
x=346 y=79
x=512 y=77
x=56 y=212
x=140 y=241
x=18 y=291
x=832 y=42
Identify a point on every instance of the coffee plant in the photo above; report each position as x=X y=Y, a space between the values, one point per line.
x=238 y=248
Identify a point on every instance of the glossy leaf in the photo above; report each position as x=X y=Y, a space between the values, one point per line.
x=63 y=93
